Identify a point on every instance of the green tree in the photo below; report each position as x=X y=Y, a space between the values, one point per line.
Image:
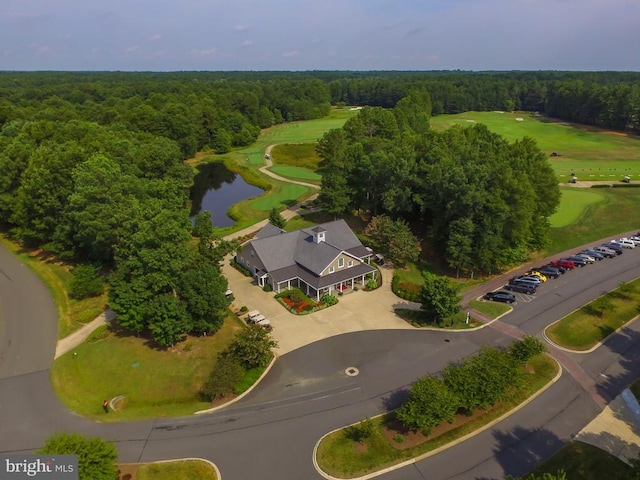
x=96 y=457
x=276 y=218
x=167 y=319
x=252 y=347
x=429 y=404
x=86 y=282
x=394 y=239
x=439 y=297
x=202 y=289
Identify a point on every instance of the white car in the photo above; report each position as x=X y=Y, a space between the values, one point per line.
x=635 y=240
x=626 y=243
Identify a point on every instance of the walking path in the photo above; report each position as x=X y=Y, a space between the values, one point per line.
x=74 y=339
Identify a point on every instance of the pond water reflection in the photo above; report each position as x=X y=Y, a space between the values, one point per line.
x=216 y=188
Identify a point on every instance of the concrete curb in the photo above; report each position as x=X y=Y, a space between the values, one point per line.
x=213 y=465
x=453 y=443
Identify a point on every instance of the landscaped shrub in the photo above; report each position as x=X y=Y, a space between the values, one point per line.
x=431 y=402
x=601 y=185
x=86 y=282
x=626 y=185
x=222 y=380
x=267 y=287
x=328 y=299
x=241 y=268
x=360 y=431
x=252 y=347
x=527 y=348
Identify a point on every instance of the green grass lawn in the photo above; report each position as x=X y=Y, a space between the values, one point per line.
x=590 y=153
x=615 y=213
x=582 y=461
x=179 y=470
x=490 y=309
x=296 y=173
x=573 y=204
x=72 y=313
x=584 y=328
x=284 y=196
x=340 y=456
x=155 y=383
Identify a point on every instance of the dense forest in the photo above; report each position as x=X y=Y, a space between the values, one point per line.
x=483 y=202
x=92 y=165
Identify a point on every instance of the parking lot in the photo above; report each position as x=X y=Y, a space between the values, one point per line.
x=572 y=277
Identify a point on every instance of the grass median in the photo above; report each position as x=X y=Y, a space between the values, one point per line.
x=175 y=470
x=591 y=324
x=153 y=382
x=341 y=456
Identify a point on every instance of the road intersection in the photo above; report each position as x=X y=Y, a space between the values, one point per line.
x=271 y=433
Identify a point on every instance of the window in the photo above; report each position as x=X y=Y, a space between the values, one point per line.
x=331 y=269
x=350 y=264
x=340 y=262
x=252 y=253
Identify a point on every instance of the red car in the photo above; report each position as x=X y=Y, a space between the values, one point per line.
x=564 y=264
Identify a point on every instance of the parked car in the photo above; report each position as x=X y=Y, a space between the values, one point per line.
x=635 y=239
x=527 y=278
x=566 y=264
x=505 y=297
x=626 y=243
x=606 y=251
x=578 y=261
x=557 y=268
x=616 y=247
x=549 y=272
x=537 y=273
x=631 y=239
x=588 y=258
x=529 y=289
x=592 y=253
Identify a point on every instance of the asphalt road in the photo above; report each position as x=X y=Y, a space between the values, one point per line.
x=271 y=433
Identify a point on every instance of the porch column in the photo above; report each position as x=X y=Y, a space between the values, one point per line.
x=288 y=284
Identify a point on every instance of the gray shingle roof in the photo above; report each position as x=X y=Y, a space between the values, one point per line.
x=280 y=250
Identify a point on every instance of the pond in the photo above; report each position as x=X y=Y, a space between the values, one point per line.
x=216 y=188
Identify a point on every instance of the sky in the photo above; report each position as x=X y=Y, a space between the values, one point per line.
x=174 y=35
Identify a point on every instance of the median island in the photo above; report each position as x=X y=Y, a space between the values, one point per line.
x=590 y=325
x=441 y=410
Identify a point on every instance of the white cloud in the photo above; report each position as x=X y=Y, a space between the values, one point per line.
x=242 y=28
x=247 y=43
x=155 y=38
x=292 y=53
x=132 y=49
x=204 y=53
x=39 y=48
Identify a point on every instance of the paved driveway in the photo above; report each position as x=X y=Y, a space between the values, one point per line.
x=355 y=311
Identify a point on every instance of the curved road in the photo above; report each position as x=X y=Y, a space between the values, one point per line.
x=271 y=433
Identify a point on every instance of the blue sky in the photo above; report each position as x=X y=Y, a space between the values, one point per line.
x=319 y=35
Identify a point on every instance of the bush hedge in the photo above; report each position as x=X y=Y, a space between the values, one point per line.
x=405 y=290
x=241 y=268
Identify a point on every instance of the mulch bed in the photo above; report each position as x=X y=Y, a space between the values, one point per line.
x=410 y=438
x=127 y=472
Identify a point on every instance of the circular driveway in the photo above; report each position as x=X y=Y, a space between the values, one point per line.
x=271 y=433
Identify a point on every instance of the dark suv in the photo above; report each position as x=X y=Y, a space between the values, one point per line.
x=505 y=297
x=521 y=288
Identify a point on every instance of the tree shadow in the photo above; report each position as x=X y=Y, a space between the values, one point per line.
x=626 y=345
x=396 y=398
x=520 y=450
x=612 y=444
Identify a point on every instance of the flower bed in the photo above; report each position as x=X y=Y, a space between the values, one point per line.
x=298 y=303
